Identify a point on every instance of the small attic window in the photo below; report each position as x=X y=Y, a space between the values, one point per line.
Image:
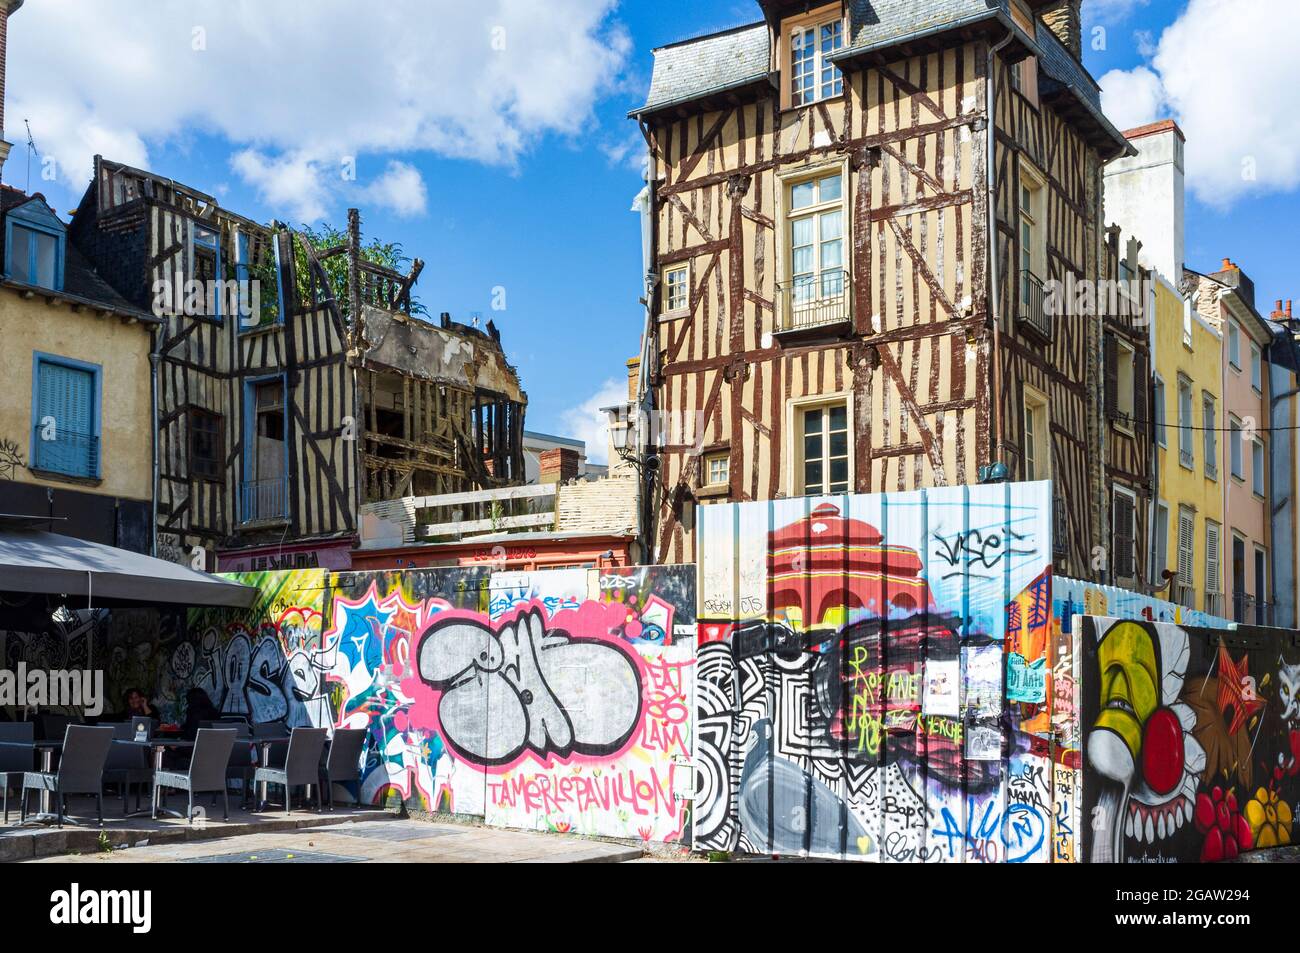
x=34 y=246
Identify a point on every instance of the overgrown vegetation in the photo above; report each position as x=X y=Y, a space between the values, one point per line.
x=390 y=255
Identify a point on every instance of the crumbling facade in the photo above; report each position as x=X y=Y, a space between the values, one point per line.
x=284 y=405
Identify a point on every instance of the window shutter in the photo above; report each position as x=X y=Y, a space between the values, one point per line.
x=1140 y=385
x=1123 y=536
x=1212 y=558
x=1186 y=527
x=1112 y=375
x=68 y=395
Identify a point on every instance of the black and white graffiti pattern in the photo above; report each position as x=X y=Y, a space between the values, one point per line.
x=526 y=689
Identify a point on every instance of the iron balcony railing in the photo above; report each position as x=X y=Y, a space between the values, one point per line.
x=63 y=451
x=1033 y=306
x=1214 y=603
x=263 y=501
x=814 y=301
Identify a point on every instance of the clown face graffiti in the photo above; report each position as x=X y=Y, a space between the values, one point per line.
x=1141 y=743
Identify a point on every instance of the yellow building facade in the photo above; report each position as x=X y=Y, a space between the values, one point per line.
x=1188 y=522
x=76 y=425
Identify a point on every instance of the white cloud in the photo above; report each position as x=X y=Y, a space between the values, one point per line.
x=1132 y=97
x=400 y=189
x=587 y=422
x=297 y=85
x=1223 y=70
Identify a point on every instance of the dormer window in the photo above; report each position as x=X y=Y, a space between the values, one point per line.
x=34 y=246
x=810 y=40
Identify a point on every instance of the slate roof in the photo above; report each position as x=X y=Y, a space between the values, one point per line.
x=692 y=68
x=875 y=23
x=80 y=280
x=698 y=67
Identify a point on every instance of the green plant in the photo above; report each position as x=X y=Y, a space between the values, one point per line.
x=390 y=255
x=105 y=845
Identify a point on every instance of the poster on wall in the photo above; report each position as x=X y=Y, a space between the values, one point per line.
x=942 y=688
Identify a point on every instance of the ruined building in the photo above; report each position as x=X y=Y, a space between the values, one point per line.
x=302 y=389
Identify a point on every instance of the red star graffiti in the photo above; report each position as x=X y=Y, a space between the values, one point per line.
x=1237 y=688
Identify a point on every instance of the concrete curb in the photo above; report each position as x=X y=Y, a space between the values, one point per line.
x=86 y=840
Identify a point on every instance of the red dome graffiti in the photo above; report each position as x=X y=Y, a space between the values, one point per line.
x=826 y=564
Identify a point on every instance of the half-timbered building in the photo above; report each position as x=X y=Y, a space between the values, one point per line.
x=1127 y=380
x=860 y=208
x=289 y=391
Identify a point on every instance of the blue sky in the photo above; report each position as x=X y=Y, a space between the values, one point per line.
x=515 y=168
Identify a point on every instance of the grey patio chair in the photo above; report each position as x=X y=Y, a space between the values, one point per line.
x=301 y=765
x=242 y=763
x=81 y=769
x=343 y=763
x=206 y=773
x=17 y=755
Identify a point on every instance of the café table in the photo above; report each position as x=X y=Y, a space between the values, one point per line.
x=45 y=815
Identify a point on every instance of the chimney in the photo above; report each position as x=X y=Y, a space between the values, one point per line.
x=7 y=8
x=559 y=465
x=1236 y=279
x=1145 y=195
x=633 y=373
x=1065 y=19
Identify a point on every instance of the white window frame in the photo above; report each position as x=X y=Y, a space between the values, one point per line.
x=1234 y=345
x=1236 y=450
x=1160 y=553
x=794 y=427
x=668 y=310
x=1256 y=368
x=712 y=458
x=1036 y=411
x=787 y=216
x=796 y=28
x=1125 y=383
x=1031 y=217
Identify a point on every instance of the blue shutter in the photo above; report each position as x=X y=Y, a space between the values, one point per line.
x=67 y=394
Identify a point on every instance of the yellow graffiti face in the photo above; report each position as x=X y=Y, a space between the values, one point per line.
x=1130 y=682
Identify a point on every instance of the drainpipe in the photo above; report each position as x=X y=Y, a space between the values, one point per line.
x=648 y=476
x=994 y=293
x=155 y=356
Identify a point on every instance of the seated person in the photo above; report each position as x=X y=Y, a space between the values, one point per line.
x=138 y=705
x=198 y=709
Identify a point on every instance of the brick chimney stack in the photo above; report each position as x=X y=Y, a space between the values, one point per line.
x=7 y=9
x=1066 y=21
x=558 y=466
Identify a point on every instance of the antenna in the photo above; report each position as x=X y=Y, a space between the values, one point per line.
x=31 y=151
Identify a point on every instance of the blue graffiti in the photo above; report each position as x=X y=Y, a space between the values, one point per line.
x=1017 y=834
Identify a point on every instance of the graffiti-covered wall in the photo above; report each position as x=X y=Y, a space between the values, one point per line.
x=851 y=669
x=1191 y=740
x=554 y=700
x=892 y=677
